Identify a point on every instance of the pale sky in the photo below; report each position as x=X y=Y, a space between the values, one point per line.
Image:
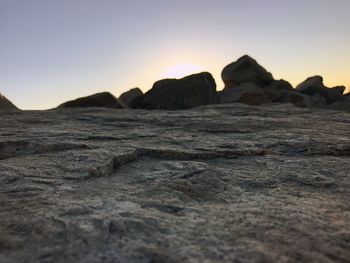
x=52 y=51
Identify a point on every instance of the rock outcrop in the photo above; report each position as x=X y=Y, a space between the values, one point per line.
x=245 y=69
x=130 y=96
x=176 y=94
x=5 y=104
x=247 y=93
x=339 y=89
x=217 y=183
x=314 y=85
x=101 y=100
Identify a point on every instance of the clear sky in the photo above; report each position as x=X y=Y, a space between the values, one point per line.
x=55 y=50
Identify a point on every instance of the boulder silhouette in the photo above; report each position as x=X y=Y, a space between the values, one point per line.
x=102 y=100
x=248 y=93
x=129 y=97
x=176 y=94
x=5 y=104
x=339 y=89
x=314 y=85
x=245 y=69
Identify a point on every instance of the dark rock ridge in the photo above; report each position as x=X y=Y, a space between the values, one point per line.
x=248 y=82
x=129 y=97
x=176 y=94
x=245 y=82
x=102 y=100
x=5 y=104
x=245 y=69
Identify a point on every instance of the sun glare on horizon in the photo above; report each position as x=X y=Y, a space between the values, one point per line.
x=180 y=71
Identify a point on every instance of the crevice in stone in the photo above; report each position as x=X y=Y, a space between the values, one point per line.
x=110 y=167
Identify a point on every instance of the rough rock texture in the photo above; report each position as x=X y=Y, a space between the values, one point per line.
x=129 y=97
x=101 y=100
x=245 y=69
x=248 y=93
x=220 y=183
x=176 y=94
x=5 y=104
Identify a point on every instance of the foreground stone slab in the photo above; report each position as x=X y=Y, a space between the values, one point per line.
x=220 y=183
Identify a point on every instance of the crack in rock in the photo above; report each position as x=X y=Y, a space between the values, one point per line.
x=111 y=166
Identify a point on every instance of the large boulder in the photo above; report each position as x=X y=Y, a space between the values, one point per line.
x=5 y=104
x=102 y=100
x=245 y=69
x=280 y=85
x=129 y=97
x=314 y=85
x=276 y=89
x=176 y=94
x=248 y=93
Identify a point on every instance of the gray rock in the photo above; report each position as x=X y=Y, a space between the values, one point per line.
x=5 y=104
x=101 y=100
x=217 y=183
x=129 y=97
x=245 y=69
x=314 y=85
x=248 y=93
x=177 y=94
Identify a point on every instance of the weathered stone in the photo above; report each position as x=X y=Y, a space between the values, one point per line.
x=129 y=97
x=248 y=93
x=5 y=104
x=314 y=85
x=217 y=183
x=101 y=100
x=176 y=94
x=245 y=69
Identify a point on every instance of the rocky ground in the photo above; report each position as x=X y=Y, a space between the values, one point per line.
x=219 y=183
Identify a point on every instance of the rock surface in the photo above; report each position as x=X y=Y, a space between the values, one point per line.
x=5 y=104
x=176 y=94
x=100 y=100
x=314 y=85
x=247 y=92
x=219 y=183
x=129 y=97
x=245 y=69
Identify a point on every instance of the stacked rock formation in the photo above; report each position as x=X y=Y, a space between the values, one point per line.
x=246 y=81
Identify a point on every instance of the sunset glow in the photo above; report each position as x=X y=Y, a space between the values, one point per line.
x=180 y=71
x=53 y=51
